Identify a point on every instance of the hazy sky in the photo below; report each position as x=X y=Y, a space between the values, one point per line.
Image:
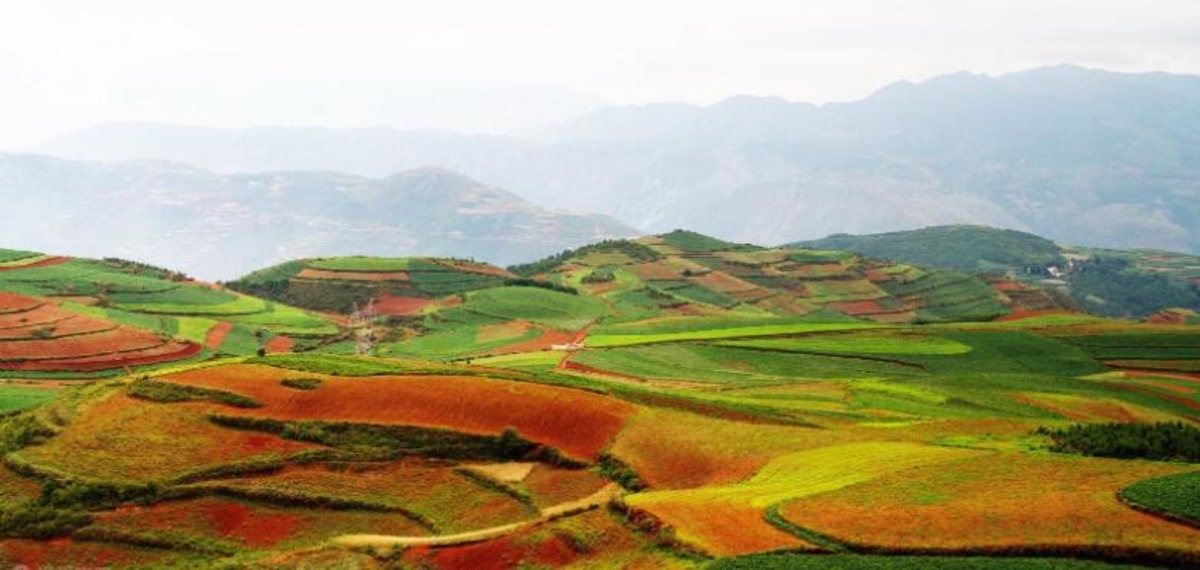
x=494 y=65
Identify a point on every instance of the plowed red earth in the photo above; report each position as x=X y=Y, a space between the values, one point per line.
x=280 y=345
x=216 y=335
x=401 y=306
x=576 y=422
x=157 y=355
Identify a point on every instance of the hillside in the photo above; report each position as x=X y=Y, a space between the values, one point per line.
x=686 y=273
x=1113 y=282
x=397 y=286
x=707 y=441
x=1078 y=155
x=969 y=248
x=220 y=227
x=157 y=303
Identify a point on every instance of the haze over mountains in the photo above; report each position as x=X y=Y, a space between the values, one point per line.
x=1082 y=156
x=222 y=226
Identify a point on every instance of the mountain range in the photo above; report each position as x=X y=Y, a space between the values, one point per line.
x=221 y=226
x=1078 y=155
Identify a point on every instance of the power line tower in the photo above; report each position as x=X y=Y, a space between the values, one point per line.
x=362 y=326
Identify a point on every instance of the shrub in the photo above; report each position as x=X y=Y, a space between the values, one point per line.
x=166 y=392
x=1164 y=441
x=301 y=383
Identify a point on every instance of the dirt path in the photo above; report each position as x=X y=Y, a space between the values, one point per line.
x=596 y=500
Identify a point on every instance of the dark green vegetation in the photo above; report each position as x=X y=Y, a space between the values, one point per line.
x=1116 y=286
x=1174 y=441
x=1175 y=496
x=165 y=392
x=971 y=248
x=302 y=383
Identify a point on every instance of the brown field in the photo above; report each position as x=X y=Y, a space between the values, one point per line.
x=723 y=283
x=679 y=450
x=122 y=439
x=280 y=344
x=468 y=404
x=112 y=341
x=64 y=553
x=252 y=524
x=995 y=502
x=473 y=267
x=167 y=352
x=654 y=270
x=551 y=486
x=726 y=528
x=68 y=325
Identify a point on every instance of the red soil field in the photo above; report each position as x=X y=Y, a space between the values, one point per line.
x=280 y=344
x=544 y=342
x=217 y=334
x=593 y=535
x=65 y=553
x=401 y=306
x=13 y=303
x=42 y=314
x=156 y=355
x=42 y=263
x=68 y=325
x=858 y=307
x=310 y=273
x=577 y=422
x=108 y=342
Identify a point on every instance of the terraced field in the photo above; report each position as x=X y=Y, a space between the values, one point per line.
x=669 y=402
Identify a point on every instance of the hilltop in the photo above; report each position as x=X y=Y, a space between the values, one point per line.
x=127 y=314
x=1114 y=282
x=397 y=286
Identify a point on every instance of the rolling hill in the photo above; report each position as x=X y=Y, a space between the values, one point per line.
x=397 y=286
x=1077 y=155
x=1114 y=282
x=674 y=401
x=152 y=306
x=221 y=226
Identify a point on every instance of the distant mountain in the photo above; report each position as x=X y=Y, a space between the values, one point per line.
x=222 y=226
x=1078 y=155
x=1113 y=282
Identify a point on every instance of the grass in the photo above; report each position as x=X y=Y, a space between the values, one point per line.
x=361 y=264
x=1174 y=496
x=732 y=365
x=884 y=343
x=542 y=306
x=702 y=330
x=17 y=398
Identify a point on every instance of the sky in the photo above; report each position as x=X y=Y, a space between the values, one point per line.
x=497 y=66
